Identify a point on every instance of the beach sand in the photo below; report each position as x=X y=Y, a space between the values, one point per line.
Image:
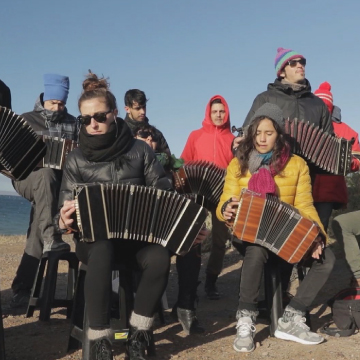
x=32 y=339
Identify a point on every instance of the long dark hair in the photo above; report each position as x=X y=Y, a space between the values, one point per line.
x=247 y=145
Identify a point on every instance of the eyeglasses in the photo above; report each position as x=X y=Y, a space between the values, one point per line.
x=293 y=63
x=145 y=134
x=99 y=117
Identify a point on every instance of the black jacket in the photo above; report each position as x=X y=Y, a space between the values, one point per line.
x=41 y=119
x=140 y=168
x=303 y=105
x=162 y=146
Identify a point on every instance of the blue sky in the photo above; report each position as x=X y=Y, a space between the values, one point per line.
x=179 y=52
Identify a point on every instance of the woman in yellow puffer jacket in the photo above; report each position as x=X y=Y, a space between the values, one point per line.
x=264 y=164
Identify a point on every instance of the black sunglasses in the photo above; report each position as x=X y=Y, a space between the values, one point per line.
x=145 y=134
x=293 y=63
x=99 y=117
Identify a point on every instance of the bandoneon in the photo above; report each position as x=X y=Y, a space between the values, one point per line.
x=57 y=150
x=330 y=153
x=201 y=178
x=276 y=225
x=134 y=212
x=20 y=148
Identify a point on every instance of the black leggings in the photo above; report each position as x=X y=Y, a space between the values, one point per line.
x=153 y=260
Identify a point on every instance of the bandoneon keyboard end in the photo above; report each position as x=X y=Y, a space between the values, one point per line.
x=278 y=226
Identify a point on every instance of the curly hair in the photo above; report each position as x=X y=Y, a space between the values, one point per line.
x=248 y=144
x=95 y=87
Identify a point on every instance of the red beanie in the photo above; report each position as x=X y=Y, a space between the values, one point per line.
x=324 y=93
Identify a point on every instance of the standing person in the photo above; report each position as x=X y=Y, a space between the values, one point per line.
x=188 y=266
x=135 y=107
x=5 y=95
x=108 y=152
x=213 y=143
x=264 y=164
x=329 y=189
x=291 y=91
x=42 y=186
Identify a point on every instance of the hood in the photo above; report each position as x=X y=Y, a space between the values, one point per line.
x=336 y=114
x=207 y=122
x=278 y=85
x=48 y=115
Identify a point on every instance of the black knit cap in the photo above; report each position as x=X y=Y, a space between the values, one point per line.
x=272 y=112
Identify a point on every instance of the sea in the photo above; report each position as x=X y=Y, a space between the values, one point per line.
x=14 y=215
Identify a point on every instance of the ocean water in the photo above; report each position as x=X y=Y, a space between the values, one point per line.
x=14 y=215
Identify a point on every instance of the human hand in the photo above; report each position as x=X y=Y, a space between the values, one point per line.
x=237 y=141
x=355 y=164
x=202 y=235
x=65 y=219
x=318 y=248
x=230 y=209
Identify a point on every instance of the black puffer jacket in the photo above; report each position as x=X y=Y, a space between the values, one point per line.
x=140 y=168
x=303 y=105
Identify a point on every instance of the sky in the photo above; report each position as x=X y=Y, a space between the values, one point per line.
x=180 y=53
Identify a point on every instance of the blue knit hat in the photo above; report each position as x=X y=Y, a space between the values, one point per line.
x=56 y=87
x=283 y=56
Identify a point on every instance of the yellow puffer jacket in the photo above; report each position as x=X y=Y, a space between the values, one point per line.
x=293 y=186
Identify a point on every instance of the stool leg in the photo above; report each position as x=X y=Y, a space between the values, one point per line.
x=72 y=276
x=85 y=339
x=35 y=291
x=277 y=306
x=49 y=288
x=77 y=316
x=2 y=337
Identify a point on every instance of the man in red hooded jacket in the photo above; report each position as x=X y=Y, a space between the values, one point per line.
x=212 y=143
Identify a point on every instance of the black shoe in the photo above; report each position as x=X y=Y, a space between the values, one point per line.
x=189 y=321
x=138 y=342
x=20 y=299
x=211 y=291
x=101 y=350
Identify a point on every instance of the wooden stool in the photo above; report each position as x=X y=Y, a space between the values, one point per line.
x=47 y=299
x=119 y=323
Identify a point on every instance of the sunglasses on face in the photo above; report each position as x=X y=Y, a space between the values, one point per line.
x=293 y=63
x=145 y=134
x=99 y=117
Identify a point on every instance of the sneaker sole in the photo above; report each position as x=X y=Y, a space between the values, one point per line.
x=243 y=349
x=284 y=336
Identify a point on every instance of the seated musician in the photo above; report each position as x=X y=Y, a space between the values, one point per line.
x=108 y=153
x=264 y=164
x=42 y=186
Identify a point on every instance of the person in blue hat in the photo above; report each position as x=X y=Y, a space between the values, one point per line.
x=42 y=186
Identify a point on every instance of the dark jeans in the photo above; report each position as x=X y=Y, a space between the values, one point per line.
x=152 y=259
x=41 y=188
x=324 y=210
x=219 y=235
x=188 y=268
x=253 y=264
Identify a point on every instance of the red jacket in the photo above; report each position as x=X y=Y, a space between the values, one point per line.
x=332 y=188
x=211 y=143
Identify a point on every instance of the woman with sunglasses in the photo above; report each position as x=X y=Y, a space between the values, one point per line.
x=264 y=164
x=108 y=152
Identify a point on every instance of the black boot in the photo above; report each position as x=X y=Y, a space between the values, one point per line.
x=138 y=342
x=101 y=350
x=210 y=287
x=189 y=321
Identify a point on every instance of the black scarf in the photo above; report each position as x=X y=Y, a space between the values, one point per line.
x=107 y=147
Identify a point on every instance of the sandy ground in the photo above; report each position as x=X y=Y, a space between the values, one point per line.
x=28 y=338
